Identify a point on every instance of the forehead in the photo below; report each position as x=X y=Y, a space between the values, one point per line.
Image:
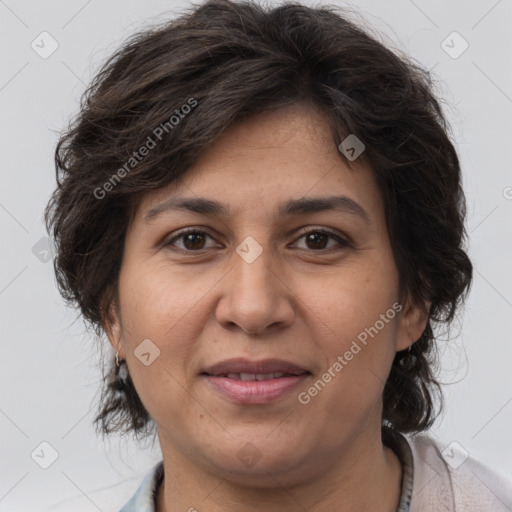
x=267 y=160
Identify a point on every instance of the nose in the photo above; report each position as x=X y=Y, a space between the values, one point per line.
x=255 y=297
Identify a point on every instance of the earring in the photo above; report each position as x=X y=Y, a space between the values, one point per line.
x=121 y=374
x=406 y=361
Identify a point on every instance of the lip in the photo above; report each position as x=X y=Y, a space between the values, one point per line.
x=254 y=391
x=241 y=365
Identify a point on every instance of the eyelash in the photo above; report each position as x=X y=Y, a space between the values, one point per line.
x=341 y=241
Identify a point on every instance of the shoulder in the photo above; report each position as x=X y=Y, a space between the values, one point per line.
x=447 y=478
x=120 y=497
x=109 y=499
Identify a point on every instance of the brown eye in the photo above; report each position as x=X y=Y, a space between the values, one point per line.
x=194 y=240
x=318 y=239
x=191 y=240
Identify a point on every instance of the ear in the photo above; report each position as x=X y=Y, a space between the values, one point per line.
x=412 y=323
x=112 y=326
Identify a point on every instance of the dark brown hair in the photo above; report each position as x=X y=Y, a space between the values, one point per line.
x=235 y=60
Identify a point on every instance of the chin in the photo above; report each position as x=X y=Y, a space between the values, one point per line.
x=260 y=463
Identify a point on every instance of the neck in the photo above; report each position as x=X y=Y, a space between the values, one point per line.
x=366 y=478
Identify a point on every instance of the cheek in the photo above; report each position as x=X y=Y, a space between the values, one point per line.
x=155 y=308
x=159 y=300
x=356 y=363
x=347 y=302
x=354 y=315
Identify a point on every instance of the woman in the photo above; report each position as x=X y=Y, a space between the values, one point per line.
x=263 y=211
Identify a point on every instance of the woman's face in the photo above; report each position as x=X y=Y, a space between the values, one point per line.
x=269 y=285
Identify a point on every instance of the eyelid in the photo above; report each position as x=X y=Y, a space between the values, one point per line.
x=342 y=239
x=185 y=231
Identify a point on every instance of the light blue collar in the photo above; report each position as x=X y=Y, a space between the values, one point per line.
x=144 y=498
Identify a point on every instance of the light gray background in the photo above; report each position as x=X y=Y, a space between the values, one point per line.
x=48 y=375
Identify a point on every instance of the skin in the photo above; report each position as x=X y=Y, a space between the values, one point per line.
x=305 y=301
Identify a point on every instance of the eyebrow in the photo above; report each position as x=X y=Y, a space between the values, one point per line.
x=303 y=205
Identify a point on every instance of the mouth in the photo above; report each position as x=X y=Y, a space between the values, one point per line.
x=246 y=377
x=242 y=381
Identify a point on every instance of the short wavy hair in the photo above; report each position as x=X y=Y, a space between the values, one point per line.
x=237 y=59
